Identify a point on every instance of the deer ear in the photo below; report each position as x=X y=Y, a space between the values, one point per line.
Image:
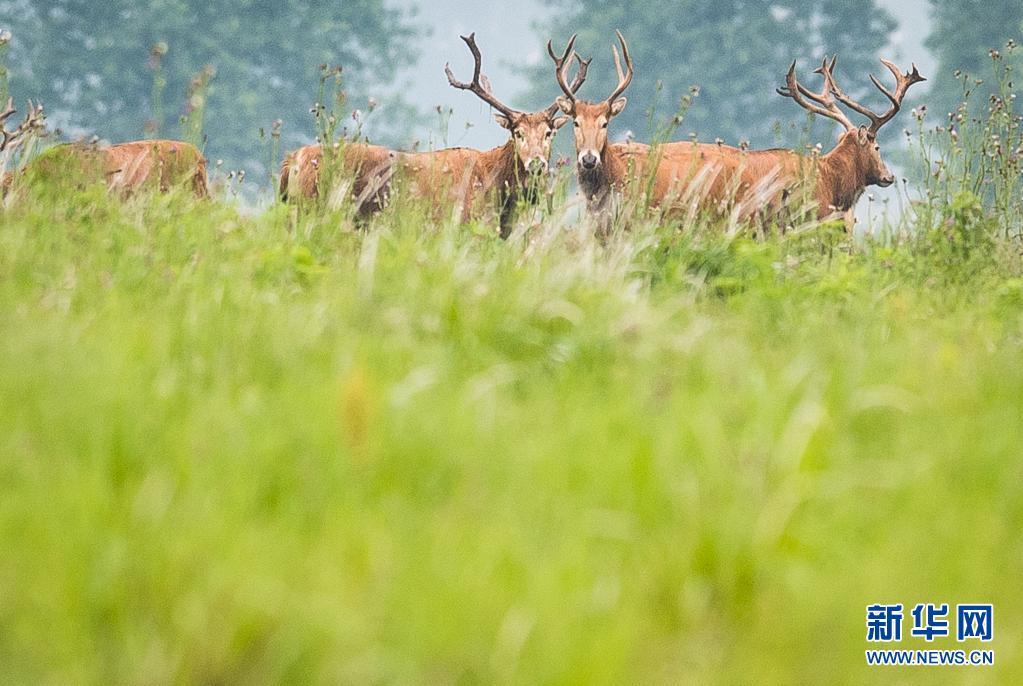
x=504 y=121
x=617 y=106
x=862 y=135
x=559 y=122
x=564 y=104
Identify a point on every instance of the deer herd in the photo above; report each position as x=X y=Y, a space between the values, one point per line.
x=675 y=177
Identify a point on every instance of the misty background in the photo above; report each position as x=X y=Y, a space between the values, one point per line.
x=93 y=67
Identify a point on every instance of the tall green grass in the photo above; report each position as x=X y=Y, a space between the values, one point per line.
x=287 y=449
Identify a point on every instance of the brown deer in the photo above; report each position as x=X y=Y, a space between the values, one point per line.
x=838 y=177
x=473 y=180
x=368 y=166
x=603 y=168
x=126 y=168
x=163 y=164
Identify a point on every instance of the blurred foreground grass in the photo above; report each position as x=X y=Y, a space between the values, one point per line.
x=278 y=450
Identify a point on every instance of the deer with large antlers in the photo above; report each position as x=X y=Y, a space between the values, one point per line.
x=477 y=180
x=839 y=177
x=603 y=168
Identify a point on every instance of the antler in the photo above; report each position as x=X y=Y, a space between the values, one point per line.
x=34 y=120
x=482 y=91
x=577 y=82
x=624 y=78
x=561 y=65
x=825 y=105
x=902 y=84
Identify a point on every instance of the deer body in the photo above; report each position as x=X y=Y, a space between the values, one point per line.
x=472 y=181
x=127 y=167
x=366 y=165
x=839 y=177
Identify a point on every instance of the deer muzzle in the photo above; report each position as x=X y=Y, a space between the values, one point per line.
x=588 y=159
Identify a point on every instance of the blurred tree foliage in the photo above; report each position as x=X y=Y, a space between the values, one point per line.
x=736 y=51
x=91 y=64
x=962 y=34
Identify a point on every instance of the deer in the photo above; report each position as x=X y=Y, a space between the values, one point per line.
x=603 y=169
x=163 y=164
x=474 y=180
x=368 y=166
x=838 y=177
x=126 y=168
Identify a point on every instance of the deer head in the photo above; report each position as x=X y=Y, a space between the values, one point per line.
x=532 y=132
x=592 y=119
x=862 y=140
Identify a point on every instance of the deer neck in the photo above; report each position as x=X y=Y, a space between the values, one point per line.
x=841 y=177
x=598 y=184
x=504 y=170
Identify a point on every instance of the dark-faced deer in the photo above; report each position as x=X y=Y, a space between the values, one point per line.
x=603 y=168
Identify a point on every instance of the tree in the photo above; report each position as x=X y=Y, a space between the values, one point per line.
x=736 y=51
x=962 y=33
x=87 y=61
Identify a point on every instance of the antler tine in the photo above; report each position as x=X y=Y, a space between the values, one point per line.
x=825 y=106
x=837 y=91
x=35 y=120
x=902 y=84
x=624 y=77
x=577 y=82
x=824 y=97
x=561 y=64
x=477 y=87
x=580 y=75
x=8 y=111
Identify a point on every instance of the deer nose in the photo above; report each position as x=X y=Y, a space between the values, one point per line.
x=537 y=165
x=886 y=181
x=589 y=160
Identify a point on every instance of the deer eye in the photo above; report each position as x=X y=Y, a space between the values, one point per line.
x=604 y=125
x=575 y=124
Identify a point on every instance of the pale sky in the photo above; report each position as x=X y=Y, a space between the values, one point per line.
x=507 y=38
